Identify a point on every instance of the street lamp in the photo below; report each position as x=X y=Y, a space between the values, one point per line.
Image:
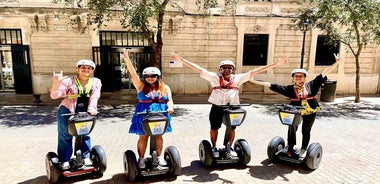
x=304 y=26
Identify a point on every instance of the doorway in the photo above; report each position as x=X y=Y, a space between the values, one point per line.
x=111 y=69
x=6 y=78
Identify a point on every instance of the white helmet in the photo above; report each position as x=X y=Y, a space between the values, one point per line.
x=226 y=62
x=86 y=62
x=300 y=70
x=151 y=71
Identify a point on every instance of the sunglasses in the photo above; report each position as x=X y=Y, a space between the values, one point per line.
x=227 y=68
x=85 y=68
x=151 y=76
x=299 y=76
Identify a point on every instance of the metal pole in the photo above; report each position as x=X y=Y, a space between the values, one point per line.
x=303 y=48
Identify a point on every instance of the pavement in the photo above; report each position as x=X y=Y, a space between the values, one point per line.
x=347 y=131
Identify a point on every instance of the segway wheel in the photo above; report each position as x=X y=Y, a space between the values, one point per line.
x=173 y=158
x=313 y=156
x=130 y=165
x=205 y=153
x=98 y=156
x=275 y=145
x=242 y=149
x=52 y=168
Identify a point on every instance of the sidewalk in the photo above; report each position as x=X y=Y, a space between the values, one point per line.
x=347 y=131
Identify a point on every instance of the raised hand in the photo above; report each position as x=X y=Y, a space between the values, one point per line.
x=174 y=55
x=58 y=76
x=126 y=54
x=283 y=60
x=337 y=57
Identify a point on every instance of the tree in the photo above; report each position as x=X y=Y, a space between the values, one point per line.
x=135 y=14
x=138 y=15
x=355 y=23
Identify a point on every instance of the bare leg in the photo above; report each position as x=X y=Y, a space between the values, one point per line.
x=232 y=136
x=141 y=145
x=214 y=137
x=159 y=143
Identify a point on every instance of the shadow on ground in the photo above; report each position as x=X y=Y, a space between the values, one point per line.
x=24 y=115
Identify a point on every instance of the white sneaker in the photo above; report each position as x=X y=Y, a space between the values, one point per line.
x=141 y=163
x=65 y=166
x=302 y=152
x=233 y=153
x=162 y=161
x=215 y=152
x=87 y=162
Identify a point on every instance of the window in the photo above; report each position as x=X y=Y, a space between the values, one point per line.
x=121 y=38
x=325 y=51
x=255 y=49
x=10 y=37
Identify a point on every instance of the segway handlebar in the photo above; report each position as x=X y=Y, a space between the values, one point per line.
x=151 y=112
x=78 y=113
x=235 y=105
x=288 y=106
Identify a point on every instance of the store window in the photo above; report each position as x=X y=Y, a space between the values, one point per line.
x=255 y=51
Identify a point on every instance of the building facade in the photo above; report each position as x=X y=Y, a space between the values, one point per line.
x=39 y=37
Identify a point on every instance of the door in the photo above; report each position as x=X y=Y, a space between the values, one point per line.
x=109 y=70
x=21 y=69
x=112 y=71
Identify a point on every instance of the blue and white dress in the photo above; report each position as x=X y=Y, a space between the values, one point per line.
x=152 y=101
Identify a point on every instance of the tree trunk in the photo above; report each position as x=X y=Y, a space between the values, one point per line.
x=357 y=82
x=157 y=56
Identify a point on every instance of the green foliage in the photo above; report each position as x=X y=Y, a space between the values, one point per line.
x=347 y=20
x=206 y=4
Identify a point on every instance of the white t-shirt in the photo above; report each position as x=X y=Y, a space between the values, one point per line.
x=224 y=96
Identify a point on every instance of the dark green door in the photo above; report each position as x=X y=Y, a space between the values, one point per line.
x=21 y=69
x=109 y=70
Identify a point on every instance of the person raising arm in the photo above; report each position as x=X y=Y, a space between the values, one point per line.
x=302 y=93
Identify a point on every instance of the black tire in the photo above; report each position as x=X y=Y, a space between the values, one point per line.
x=52 y=169
x=276 y=144
x=130 y=165
x=313 y=156
x=205 y=153
x=173 y=159
x=242 y=149
x=98 y=156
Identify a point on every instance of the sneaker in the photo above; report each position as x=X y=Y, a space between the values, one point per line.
x=87 y=162
x=162 y=161
x=233 y=153
x=302 y=152
x=215 y=152
x=65 y=166
x=141 y=163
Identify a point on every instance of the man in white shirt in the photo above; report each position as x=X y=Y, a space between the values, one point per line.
x=225 y=91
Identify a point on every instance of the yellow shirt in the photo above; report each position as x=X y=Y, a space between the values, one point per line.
x=308 y=110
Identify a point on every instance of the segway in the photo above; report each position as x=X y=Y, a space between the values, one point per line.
x=233 y=115
x=79 y=125
x=154 y=124
x=290 y=115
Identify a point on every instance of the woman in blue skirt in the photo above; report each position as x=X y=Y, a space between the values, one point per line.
x=153 y=95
